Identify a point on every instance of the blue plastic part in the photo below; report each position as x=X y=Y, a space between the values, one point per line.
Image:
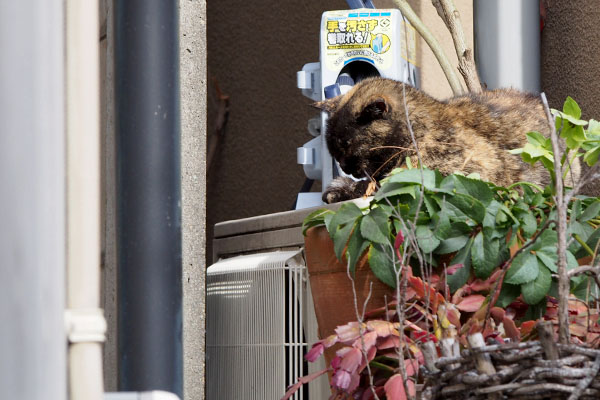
x=360 y=4
x=345 y=79
x=332 y=91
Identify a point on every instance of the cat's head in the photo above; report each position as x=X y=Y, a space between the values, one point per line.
x=363 y=129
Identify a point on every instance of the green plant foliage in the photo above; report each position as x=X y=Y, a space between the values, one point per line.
x=473 y=221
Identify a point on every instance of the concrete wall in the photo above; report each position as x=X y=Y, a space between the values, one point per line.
x=108 y=200
x=253 y=55
x=192 y=56
x=571 y=54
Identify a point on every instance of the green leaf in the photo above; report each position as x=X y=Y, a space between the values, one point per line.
x=340 y=239
x=508 y=294
x=592 y=211
x=573 y=134
x=591 y=156
x=484 y=255
x=381 y=264
x=475 y=188
x=523 y=269
x=548 y=238
x=579 y=287
x=426 y=239
x=348 y=212
x=452 y=244
x=356 y=247
x=535 y=311
x=594 y=128
x=536 y=290
x=457 y=238
x=374 y=226
x=528 y=223
x=571 y=108
x=390 y=189
x=548 y=257
x=461 y=276
x=315 y=218
x=537 y=138
x=491 y=214
x=414 y=176
x=441 y=225
x=469 y=206
x=592 y=242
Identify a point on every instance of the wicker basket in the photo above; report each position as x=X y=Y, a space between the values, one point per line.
x=540 y=369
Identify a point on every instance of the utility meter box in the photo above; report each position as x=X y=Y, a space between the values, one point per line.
x=354 y=45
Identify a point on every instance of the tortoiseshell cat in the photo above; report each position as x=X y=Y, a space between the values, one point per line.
x=367 y=134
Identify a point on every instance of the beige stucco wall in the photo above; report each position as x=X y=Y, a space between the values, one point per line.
x=254 y=53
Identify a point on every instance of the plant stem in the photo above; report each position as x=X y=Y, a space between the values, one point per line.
x=533 y=185
x=433 y=44
x=584 y=245
x=561 y=208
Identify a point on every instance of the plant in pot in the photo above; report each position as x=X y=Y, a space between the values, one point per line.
x=455 y=256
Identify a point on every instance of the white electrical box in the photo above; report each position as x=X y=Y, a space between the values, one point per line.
x=354 y=45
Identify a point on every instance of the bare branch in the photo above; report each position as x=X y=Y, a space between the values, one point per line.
x=466 y=62
x=433 y=44
x=561 y=208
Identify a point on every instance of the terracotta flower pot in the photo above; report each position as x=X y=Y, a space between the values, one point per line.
x=332 y=289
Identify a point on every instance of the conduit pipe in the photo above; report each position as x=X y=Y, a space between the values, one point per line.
x=85 y=321
x=148 y=195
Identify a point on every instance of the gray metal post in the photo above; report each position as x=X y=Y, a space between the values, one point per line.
x=32 y=206
x=507 y=43
x=148 y=192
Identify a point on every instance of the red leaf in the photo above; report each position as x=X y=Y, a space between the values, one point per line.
x=389 y=342
x=498 y=314
x=478 y=285
x=366 y=341
x=382 y=328
x=394 y=388
x=412 y=366
x=527 y=327
x=471 y=303
x=511 y=329
x=315 y=352
x=351 y=360
x=341 y=379
x=302 y=380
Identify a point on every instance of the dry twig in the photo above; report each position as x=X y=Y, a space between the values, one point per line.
x=433 y=44
x=466 y=61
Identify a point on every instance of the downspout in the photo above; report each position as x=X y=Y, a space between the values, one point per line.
x=148 y=195
x=507 y=43
x=85 y=321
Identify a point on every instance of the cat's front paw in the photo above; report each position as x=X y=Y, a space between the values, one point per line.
x=342 y=189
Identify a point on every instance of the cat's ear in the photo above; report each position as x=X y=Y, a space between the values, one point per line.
x=329 y=105
x=378 y=108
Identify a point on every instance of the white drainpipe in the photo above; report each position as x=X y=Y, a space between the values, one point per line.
x=84 y=318
x=507 y=43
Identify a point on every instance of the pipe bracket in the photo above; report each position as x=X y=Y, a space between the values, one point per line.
x=85 y=325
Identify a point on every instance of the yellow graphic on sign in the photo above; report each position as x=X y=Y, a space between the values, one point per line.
x=350 y=34
x=381 y=37
x=380 y=43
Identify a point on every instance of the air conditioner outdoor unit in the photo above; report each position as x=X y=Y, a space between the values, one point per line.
x=260 y=316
